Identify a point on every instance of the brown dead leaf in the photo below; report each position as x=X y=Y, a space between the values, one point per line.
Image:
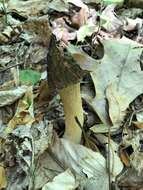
x=124 y=157
x=138 y=124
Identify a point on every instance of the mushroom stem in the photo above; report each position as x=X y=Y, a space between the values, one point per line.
x=72 y=103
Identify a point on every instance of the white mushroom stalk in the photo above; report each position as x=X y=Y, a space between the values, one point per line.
x=72 y=104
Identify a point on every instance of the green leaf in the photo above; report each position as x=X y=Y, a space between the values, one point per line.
x=29 y=76
x=113 y=2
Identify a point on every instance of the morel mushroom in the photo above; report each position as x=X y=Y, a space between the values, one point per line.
x=64 y=74
x=72 y=103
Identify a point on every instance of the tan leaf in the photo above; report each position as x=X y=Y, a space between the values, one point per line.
x=3 y=180
x=124 y=157
x=138 y=124
x=24 y=113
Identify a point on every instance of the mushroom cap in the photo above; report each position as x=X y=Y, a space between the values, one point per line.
x=66 y=67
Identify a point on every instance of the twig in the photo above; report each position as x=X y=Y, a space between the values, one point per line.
x=109 y=164
x=83 y=131
x=7 y=68
x=32 y=167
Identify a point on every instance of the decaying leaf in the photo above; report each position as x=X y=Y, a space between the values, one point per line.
x=24 y=113
x=27 y=156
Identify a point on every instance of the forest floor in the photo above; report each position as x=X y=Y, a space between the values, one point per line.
x=46 y=46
